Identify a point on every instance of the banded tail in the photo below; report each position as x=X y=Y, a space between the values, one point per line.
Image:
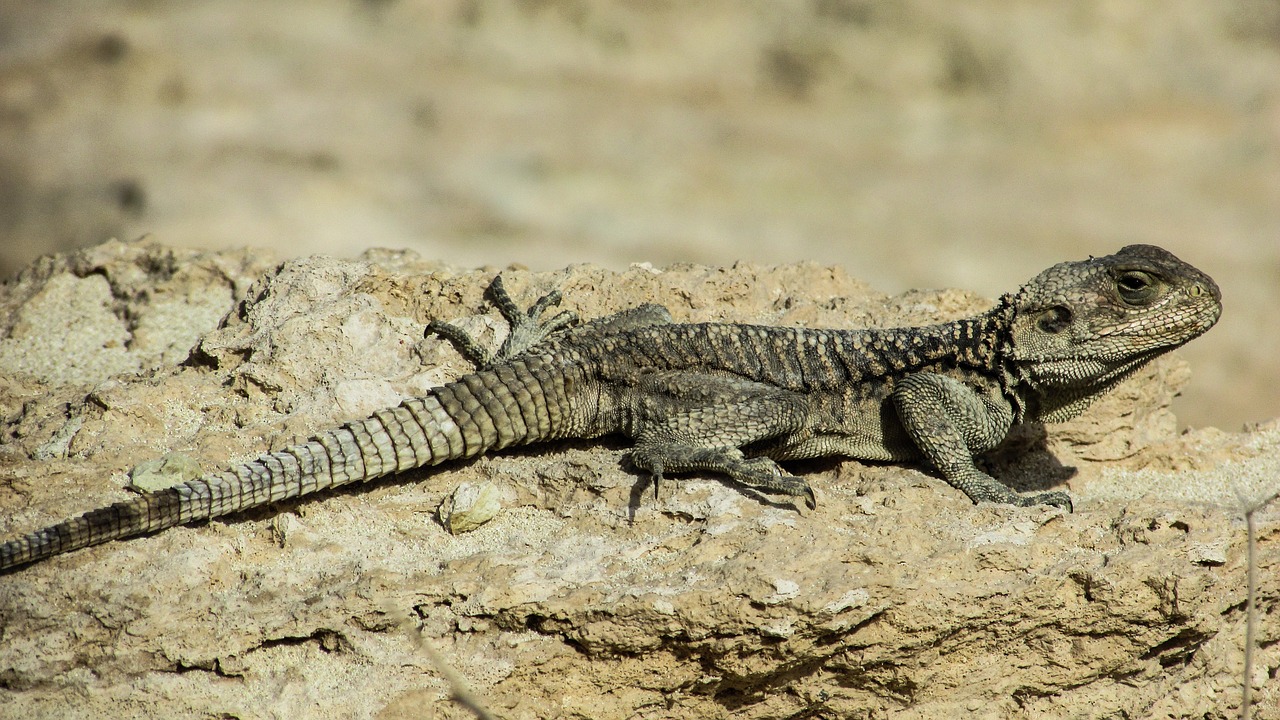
x=513 y=404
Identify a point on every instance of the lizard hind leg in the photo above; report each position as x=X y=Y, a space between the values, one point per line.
x=698 y=421
x=758 y=473
x=528 y=329
x=531 y=328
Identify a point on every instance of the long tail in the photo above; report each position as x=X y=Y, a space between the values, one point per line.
x=514 y=404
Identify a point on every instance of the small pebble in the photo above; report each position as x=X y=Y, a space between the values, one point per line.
x=166 y=471
x=470 y=506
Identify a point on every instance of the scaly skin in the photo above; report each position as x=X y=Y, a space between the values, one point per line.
x=734 y=399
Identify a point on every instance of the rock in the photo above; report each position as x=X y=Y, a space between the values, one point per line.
x=585 y=597
x=469 y=506
x=172 y=469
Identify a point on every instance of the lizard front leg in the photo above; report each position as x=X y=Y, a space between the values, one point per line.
x=949 y=422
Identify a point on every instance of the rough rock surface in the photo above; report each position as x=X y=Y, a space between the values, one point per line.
x=585 y=597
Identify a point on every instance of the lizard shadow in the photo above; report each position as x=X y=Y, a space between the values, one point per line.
x=1024 y=462
x=407 y=477
x=645 y=491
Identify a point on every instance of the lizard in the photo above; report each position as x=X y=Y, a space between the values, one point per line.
x=731 y=399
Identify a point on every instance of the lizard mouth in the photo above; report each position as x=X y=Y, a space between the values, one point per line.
x=1203 y=316
x=1178 y=326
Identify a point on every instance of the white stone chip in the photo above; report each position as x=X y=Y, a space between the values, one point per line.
x=470 y=506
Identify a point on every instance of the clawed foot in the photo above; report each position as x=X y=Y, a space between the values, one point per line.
x=1056 y=498
x=758 y=473
x=764 y=474
x=981 y=487
x=527 y=329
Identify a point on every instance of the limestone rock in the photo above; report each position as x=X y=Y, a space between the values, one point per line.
x=469 y=506
x=585 y=597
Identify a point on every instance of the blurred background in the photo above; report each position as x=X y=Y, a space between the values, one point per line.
x=917 y=143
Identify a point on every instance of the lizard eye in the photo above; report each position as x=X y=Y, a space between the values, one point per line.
x=1055 y=319
x=1136 y=287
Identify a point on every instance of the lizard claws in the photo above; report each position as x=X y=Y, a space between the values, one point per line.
x=526 y=329
x=1056 y=499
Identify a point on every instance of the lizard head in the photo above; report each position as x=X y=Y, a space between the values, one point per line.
x=1080 y=327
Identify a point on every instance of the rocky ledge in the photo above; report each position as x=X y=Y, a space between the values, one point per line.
x=585 y=597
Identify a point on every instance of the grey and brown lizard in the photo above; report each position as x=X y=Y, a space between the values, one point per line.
x=733 y=399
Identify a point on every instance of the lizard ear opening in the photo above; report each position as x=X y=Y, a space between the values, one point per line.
x=1055 y=319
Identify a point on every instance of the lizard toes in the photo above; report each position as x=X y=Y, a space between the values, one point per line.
x=793 y=486
x=809 y=499
x=1056 y=498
